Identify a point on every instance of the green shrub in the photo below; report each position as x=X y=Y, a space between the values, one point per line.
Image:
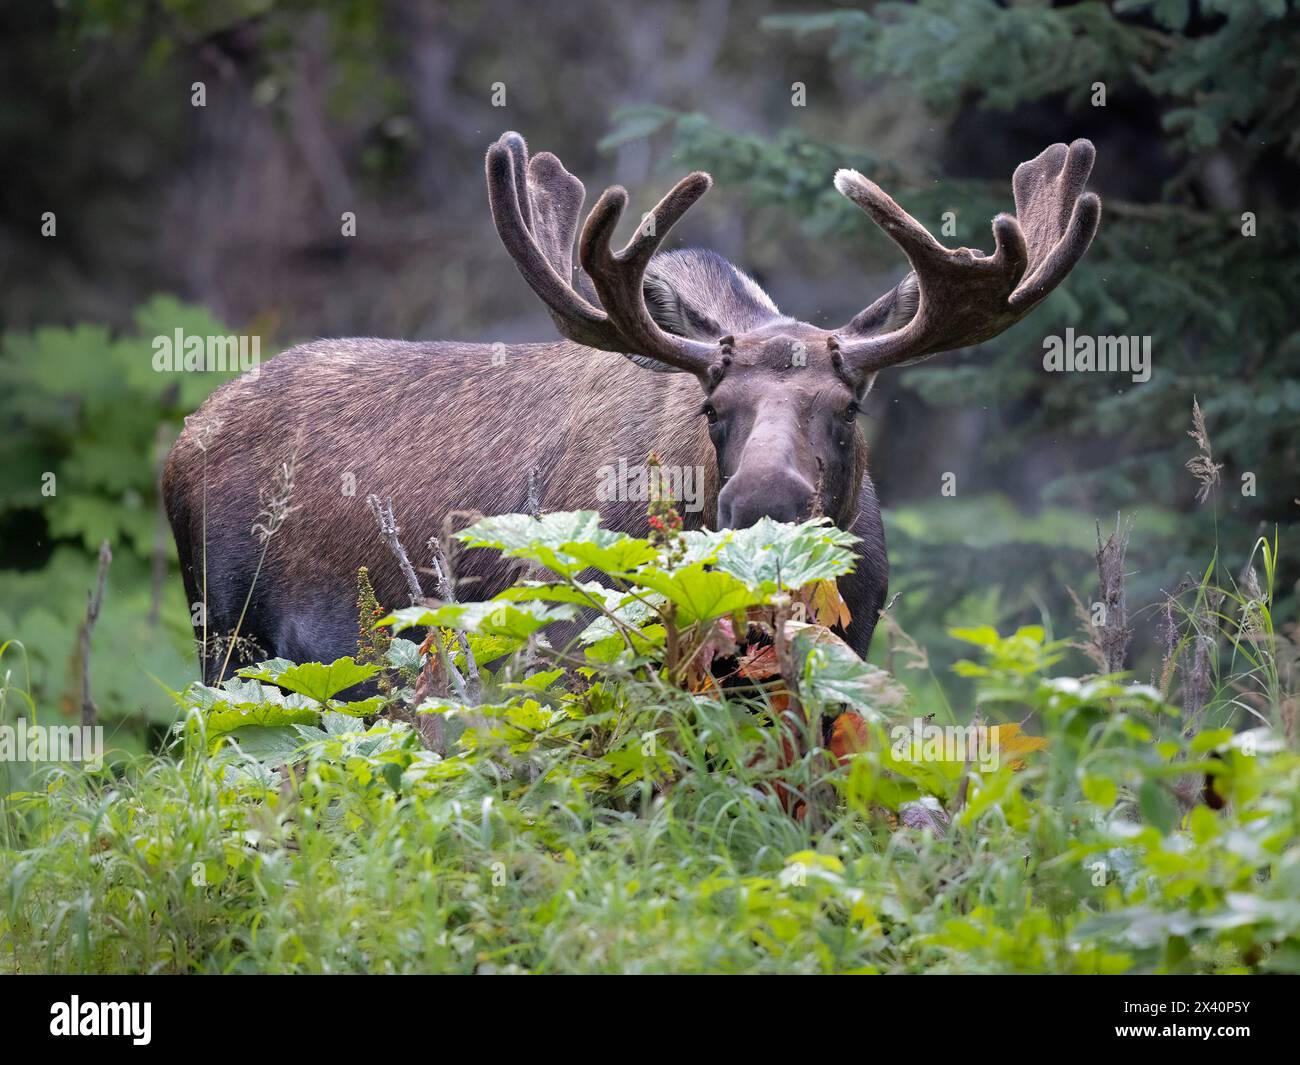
x=627 y=813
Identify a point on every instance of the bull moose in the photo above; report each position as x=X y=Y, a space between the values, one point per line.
x=678 y=353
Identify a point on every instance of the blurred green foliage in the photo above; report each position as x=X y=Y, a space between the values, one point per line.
x=88 y=421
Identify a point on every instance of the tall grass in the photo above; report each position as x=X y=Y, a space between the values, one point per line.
x=373 y=855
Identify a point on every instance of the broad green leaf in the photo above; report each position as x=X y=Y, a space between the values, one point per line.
x=1211 y=739
x=832 y=673
x=516 y=532
x=539 y=681
x=631 y=607
x=1204 y=824
x=487 y=648
x=224 y=717
x=1157 y=805
x=359 y=707
x=513 y=621
x=403 y=654
x=701 y=594
x=272 y=745
x=565 y=542
x=609 y=649
x=532 y=715
x=618 y=559
x=587 y=593
x=984 y=636
x=546 y=540
x=274 y=666
x=313 y=679
x=787 y=556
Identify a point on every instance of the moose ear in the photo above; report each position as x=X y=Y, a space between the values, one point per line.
x=674 y=312
x=664 y=290
x=699 y=295
x=892 y=311
x=667 y=308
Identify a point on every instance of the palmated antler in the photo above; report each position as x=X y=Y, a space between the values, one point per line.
x=536 y=203
x=965 y=296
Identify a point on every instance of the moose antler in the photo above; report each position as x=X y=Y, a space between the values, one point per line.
x=965 y=296
x=536 y=203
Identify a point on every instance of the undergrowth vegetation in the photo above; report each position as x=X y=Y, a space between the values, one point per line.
x=680 y=767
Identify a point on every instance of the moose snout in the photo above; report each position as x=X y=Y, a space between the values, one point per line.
x=782 y=495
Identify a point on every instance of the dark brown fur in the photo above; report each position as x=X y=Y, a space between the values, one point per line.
x=408 y=421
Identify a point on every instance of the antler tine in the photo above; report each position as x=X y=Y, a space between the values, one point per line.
x=904 y=230
x=965 y=296
x=510 y=200
x=1045 y=189
x=536 y=204
x=618 y=277
x=517 y=148
x=557 y=198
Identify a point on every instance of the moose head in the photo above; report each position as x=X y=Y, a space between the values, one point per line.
x=781 y=396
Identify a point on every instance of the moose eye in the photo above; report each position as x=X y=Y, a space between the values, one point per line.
x=710 y=412
x=852 y=411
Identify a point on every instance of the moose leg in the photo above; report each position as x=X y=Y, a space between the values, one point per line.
x=864 y=590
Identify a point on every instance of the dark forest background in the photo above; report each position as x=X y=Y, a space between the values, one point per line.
x=226 y=218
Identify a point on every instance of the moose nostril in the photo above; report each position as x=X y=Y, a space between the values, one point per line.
x=749 y=513
x=742 y=503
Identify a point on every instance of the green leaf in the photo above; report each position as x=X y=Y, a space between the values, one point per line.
x=610 y=649
x=1100 y=790
x=833 y=674
x=359 y=707
x=586 y=593
x=701 y=594
x=226 y=716
x=1204 y=824
x=512 y=621
x=488 y=648
x=787 y=556
x=403 y=654
x=619 y=559
x=1157 y=805
x=539 y=681
x=1211 y=739
x=519 y=532
x=271 y=745
x=271 y=666
x=984 y=636
x=312 y=679
x=566 y=542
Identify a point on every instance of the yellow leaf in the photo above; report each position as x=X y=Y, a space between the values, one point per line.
x=1011 y=743
x=827 y=605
